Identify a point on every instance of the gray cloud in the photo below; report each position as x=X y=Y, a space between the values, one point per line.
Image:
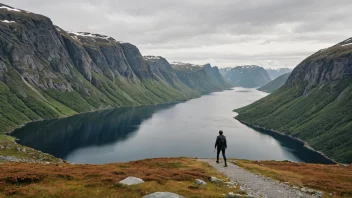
x=271 y=33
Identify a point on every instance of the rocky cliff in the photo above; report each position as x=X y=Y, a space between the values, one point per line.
x=47 y=72
x=246 y=76
x=314 y=104
x=204 y=78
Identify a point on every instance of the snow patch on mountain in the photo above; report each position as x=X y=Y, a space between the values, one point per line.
x=9 y=8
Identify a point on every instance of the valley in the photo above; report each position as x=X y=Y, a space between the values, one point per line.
x=84 y=114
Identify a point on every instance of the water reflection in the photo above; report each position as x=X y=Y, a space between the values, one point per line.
x=62 y=136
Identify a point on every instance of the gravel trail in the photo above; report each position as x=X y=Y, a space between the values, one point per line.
x=256 y=185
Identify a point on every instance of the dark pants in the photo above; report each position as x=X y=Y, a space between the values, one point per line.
x=223 y=154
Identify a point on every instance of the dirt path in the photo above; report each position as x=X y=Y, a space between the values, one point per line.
x=256 y=185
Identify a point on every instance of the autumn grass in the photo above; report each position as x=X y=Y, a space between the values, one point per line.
x=335 y=179
x=67 y=180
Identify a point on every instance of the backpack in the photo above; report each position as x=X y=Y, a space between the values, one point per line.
x=221 y=141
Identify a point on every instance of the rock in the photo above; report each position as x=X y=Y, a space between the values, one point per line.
x=304 y=189
x=231 y=194
x=131 y=181
x=229 y=183
x=200 y=182
x=299 y=194
x=215 y=180
x=2 y=147
x=24 y=150
x=163 y=195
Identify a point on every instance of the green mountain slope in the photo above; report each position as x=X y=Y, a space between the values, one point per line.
x=275 y=84
x=204 y=79
x=314 y=104
x=46 y=72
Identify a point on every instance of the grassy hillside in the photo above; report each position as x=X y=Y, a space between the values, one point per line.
x=314 y=105
x=275 y=84
x=175 y=175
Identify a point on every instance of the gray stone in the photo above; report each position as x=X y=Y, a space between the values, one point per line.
x=131 y=181
x=231 y=195
x=304 y=189
x=163 y=195
x=215 y=180
x=229 y=183
x=200 y=182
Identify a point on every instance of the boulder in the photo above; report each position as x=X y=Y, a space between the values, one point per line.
x=131 y=181
x=163 y=195
x=215 y=180
x=200 y=182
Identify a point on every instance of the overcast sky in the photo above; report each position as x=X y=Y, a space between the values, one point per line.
x=269 y=33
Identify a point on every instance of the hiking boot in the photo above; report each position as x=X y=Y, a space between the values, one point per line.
x=225 y=165
x=217 y=161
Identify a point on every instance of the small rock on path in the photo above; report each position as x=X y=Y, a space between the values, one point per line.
x=256 y=185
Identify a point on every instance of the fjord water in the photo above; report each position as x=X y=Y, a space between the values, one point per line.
x=184 y=129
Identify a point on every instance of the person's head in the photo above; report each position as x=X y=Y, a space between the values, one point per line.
x=220 y=132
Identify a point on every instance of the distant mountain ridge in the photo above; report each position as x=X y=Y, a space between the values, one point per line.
x=314 y=104
x=46 y=72
x=275 y=84
x=274 y=73
x=250 y=76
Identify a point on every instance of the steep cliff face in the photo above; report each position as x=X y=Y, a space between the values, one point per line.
x=162 y=69
x=274 y=73
x=314 y=104
x=275 y=84
x=46 y=72
x=246 y=76
x=204 y=78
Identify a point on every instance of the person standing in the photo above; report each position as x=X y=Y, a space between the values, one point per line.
x=221 y=145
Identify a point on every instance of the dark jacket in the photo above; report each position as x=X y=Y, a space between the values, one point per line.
x=221 y=142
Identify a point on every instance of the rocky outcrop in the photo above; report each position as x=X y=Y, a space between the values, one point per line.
x=249 y=76
x=314 y=104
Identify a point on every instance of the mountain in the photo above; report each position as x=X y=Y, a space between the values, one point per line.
x=275 y=84
x=204 y=78
x=314 y=104
x=274 y=73
x=47 y=72
x=246 y=76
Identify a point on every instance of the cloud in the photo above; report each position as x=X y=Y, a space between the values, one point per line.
x=271 y=33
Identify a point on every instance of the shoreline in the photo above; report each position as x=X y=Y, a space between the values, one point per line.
x=10 y=132
x=305 y=144
x=107 y=108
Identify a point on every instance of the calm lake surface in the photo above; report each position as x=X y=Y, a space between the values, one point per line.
x=185 y=129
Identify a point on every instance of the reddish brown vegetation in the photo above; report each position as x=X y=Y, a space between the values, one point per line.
x=335 y=179
x=67 y=180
